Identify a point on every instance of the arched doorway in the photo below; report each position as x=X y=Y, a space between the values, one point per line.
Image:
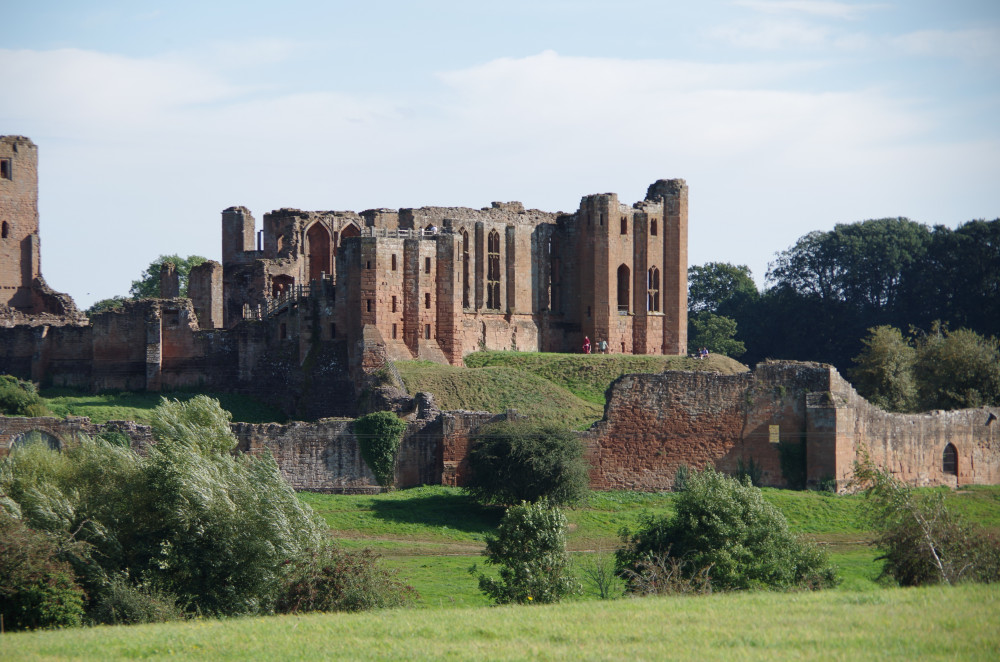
x=282 y=285
x=36 y=436
x=318 y=250
x=949 y=460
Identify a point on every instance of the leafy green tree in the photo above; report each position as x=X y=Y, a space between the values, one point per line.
x=514 y=461
x=148 y=285
x=20 y=398
x=212 y=529
x=883 y=371
x=921 y=540
x=720 y=287
x=714 y=332
x=957 y=369
x=379 y=435
x=725 y=527
x=104 y=305
x=530 y=550
x=38 y=589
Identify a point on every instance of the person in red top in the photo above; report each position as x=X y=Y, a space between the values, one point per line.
x=586 y=345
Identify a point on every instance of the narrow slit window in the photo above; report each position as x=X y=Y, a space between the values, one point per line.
x=427 y=299
x=427 y=265
x=5 y=169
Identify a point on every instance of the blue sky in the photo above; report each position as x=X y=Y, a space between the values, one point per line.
x=784 y=116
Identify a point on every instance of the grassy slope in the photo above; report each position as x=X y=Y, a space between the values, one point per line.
x=588 y=376
x=935 y=623
x=567 y=389
x=105 y=407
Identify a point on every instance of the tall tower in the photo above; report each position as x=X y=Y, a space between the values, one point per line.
x=19 y=243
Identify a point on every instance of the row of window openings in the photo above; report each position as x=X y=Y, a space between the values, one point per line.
x=427 y=332
x=427 y=264
x=369 y=304
x=624 y=224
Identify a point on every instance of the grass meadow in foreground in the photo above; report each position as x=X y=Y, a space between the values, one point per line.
x=432 y=535
x=933 y=623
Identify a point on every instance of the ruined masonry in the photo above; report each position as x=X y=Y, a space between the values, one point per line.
x=308 y=310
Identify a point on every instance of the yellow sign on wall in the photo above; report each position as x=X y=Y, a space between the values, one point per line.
x=773 y=429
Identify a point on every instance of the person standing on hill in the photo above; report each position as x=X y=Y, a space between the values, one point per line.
x=586 y=345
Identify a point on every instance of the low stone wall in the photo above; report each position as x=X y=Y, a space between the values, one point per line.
x=60 y=432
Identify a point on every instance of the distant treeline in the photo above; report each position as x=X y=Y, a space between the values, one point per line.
x=823 y=294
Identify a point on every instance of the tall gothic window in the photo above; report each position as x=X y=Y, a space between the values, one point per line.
x=493 y=271
x=624 y=276
x=465 y=269
x=653 y=290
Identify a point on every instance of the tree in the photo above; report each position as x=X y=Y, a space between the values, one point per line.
x=20 y=398
x=725 y=527
x=957 y=369
x=530 y=549
x=884 y=370
x=214 y=530
x=921 y=540
x=519 y=461
x=720 y=287
x=104 y=305
x=714 y=332
x=148 y=285
x=379 y=435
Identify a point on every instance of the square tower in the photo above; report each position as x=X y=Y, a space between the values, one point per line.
x=19 y=243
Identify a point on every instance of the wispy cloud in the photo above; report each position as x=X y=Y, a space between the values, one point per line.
x=977 y=44
x=842 y=10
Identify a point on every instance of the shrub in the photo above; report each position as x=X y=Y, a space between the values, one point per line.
x=530 y=548
x=37 y=588
x=598 y=569
x=662 y=574
x=124 y=603
x=725 y=526
x=517 y=461
x=20 y=398
x=922 y=542
x=379 y=435
x=214 y=529
x=330 y=578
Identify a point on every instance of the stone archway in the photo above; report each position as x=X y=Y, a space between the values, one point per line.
x=318 y=252
x=31 y=436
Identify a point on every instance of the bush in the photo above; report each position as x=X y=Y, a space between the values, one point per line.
x=195 y=521
x=662 y=574
x=922 y=542
x=330 y=578
x=20 y=398
x=517 y=461
x=530 y=548
x=37 y=588
x=124 y=603
x=725 y=526
x=379 y=435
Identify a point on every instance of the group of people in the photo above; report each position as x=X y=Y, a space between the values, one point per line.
x=600 y=346
x=702 y=353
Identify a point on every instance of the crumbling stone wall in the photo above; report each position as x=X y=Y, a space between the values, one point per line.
x=62 y=432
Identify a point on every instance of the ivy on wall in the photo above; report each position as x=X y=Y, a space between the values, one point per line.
x=379 y=435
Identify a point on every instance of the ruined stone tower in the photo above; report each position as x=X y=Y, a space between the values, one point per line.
x=19 y=245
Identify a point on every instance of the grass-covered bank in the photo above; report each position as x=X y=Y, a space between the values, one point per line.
x=129 y=406
x=934 y=623
x=433 y=534
x=566 y=389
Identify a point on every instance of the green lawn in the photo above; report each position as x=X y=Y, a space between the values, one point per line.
x=127 y=406
x=432 y=535
x=934 y=623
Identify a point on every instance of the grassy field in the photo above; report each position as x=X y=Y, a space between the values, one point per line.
x=935 y=623
x=566 y=389
x=432 y=535
x=104 y=407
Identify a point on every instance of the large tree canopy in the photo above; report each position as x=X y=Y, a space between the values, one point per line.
x=148 y=285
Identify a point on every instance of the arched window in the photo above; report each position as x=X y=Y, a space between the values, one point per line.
x=652 y=227
x=318 y=251
x=653 y=290
x=624 y=225
x=949 y=460
x=282 y=286
x=493 y=271
x=624 y=276
x=465 y=269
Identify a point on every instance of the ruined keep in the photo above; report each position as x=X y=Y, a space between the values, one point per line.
x=307 y=311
